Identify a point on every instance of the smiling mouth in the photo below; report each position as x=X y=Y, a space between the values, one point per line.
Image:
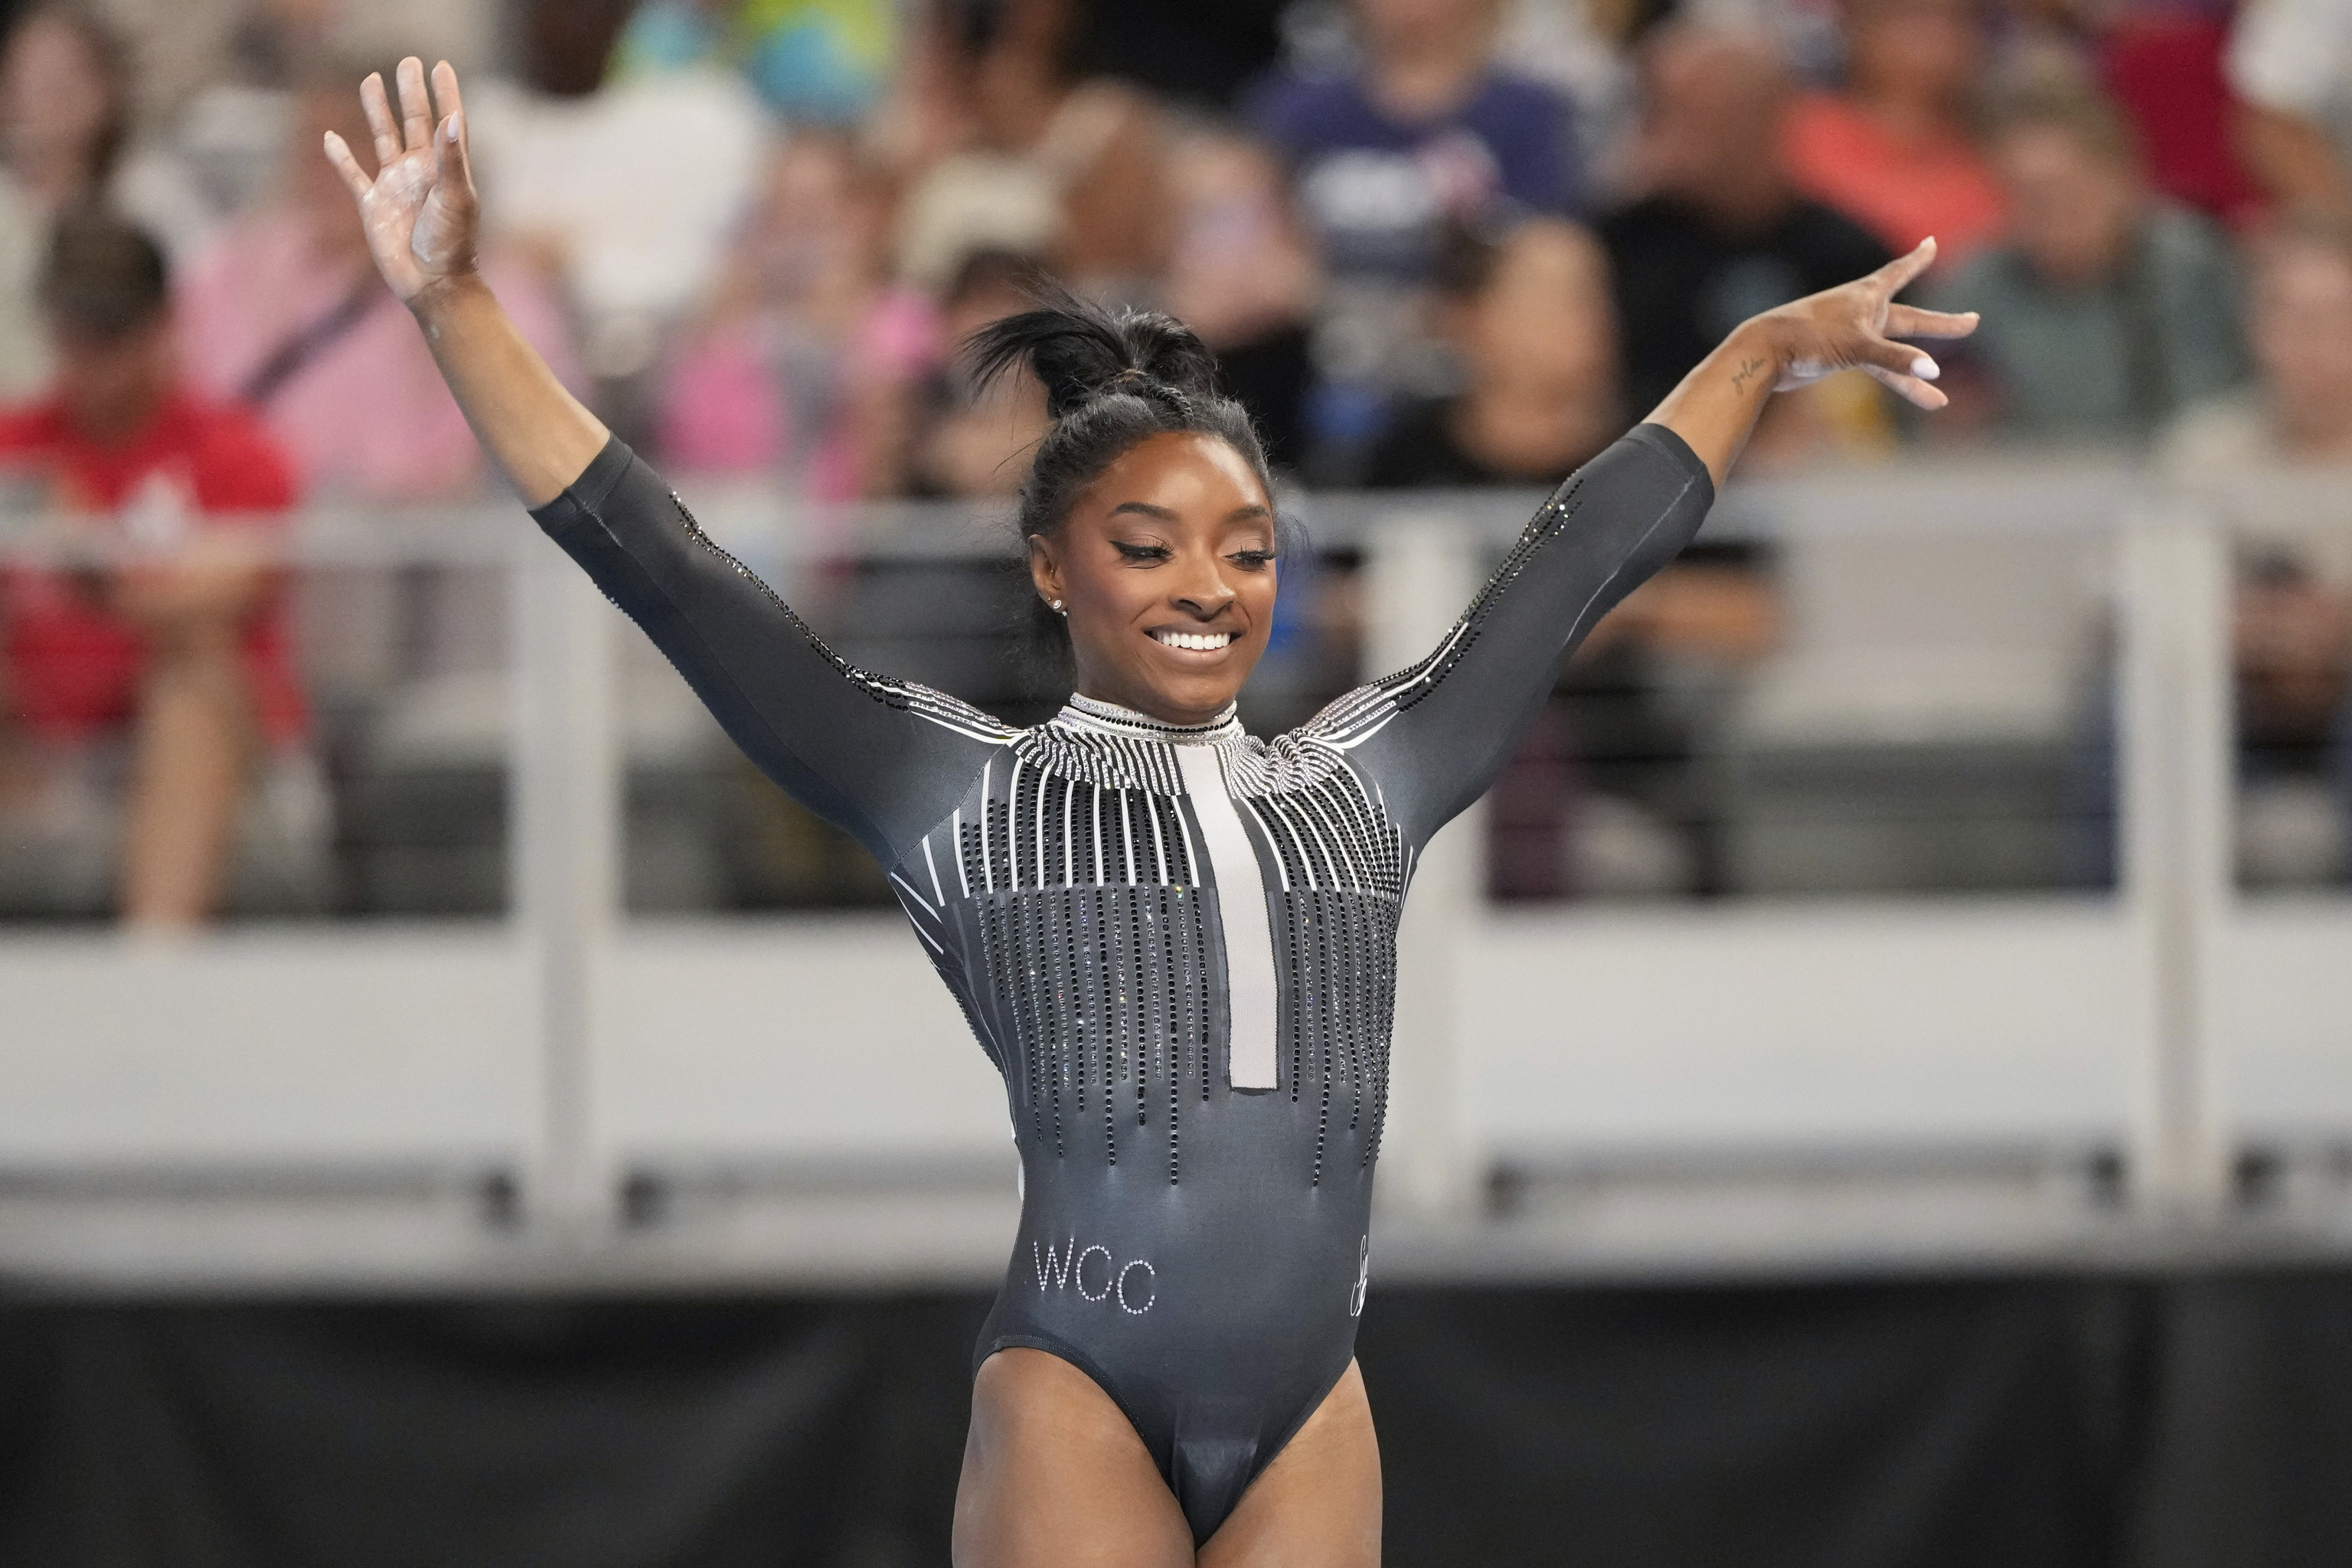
x=1195 y=642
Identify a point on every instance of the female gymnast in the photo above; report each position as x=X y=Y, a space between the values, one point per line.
x=1176 y=941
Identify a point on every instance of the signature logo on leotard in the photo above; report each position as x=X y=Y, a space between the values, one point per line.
x=1363 y=1277
x=1133 y=1284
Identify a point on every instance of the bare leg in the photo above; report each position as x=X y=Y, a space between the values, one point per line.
x=187 y=780
x=1054 y=1476
x=1318 y=1504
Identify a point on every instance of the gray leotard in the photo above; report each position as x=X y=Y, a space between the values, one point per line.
x=1178 y=945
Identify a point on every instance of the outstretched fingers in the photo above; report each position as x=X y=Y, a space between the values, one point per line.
x=445 y=100
x=416 y=110
x=1897 y=274
x=381 y=124
x=451 y=144
x=1904 y=370
x=1911 y=322
x=355 y=179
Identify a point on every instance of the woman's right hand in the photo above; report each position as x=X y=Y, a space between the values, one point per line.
x=420 y=211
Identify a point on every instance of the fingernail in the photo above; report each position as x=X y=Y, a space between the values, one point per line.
x=1925 y=369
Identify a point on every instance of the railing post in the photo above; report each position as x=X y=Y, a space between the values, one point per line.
x=2176 y=744
x=563 y=804
x=1422 y=572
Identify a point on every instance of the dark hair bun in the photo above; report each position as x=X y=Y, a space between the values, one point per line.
x=1081 y=352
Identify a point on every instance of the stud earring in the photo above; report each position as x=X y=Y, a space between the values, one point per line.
x=1055 y=606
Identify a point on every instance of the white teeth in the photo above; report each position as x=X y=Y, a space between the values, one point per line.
x=1198 y=642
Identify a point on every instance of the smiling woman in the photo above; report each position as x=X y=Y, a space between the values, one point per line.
x=1148 y=511
x=1176 y=941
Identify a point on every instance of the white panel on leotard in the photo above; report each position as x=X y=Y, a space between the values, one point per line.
x=1241 y=909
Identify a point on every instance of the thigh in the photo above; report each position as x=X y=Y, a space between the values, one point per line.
x=1054 y=1476
x=1318 y=1504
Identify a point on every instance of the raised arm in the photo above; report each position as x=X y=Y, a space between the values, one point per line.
x=1436 y=735
x=880 y=759
x=423 y=222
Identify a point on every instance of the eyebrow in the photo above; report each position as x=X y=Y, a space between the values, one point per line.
x=1162 y=514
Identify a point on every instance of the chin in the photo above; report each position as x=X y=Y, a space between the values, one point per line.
x=1204 y=695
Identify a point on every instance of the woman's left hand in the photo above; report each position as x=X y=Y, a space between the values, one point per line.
x=1853 y=327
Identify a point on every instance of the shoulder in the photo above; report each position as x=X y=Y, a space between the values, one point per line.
x=952 y=712
x=2231 y=433
x=1519 y=100
x=1990 y=278
x=237 y=464
x=29 y=428
x=1819 y=122
x=2186 y=239
x=1298 y=111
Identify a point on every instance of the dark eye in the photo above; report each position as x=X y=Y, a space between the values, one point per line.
x=1140 y=552
x=1252 y=559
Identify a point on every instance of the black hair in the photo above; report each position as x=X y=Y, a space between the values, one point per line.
x=102 y=278
x=1111 y=382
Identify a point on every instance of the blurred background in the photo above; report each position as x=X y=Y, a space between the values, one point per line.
x=1874 y=1081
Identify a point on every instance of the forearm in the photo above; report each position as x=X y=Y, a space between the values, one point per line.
x=533 y=429
x=1716 y=407
x=187 y=783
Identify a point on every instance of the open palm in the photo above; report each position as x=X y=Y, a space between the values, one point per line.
x=420 y=210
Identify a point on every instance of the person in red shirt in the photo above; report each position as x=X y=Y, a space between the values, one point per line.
x=150 y=673
x=1893 y=150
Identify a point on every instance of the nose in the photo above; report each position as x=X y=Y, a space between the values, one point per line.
x=1204 y=591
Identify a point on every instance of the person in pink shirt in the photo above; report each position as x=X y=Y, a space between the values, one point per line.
x=1892 y=149
x=805 y=361
x=281 y=313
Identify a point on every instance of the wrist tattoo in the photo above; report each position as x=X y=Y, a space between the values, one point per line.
x=1746 y=374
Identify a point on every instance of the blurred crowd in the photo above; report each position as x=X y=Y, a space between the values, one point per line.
x=1435 y=243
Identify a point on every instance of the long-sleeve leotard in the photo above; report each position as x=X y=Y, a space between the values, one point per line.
x=1177 y=944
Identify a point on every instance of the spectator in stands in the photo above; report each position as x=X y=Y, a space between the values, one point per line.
x=1243 y=275
x=284 y=313
x=1038 y=158
x=806 y=361
x=1894 y=147
x=2299 y=327
x=2105 y=309
x=2292 y=656
x=1718 y=230
x=1427 y=132
x=812 y=62
x=63 y=122
x=158 y=725
x=2162 y=64
x=1529 y=316
x=974 y=443
x=2291 y=63
x=629 y=192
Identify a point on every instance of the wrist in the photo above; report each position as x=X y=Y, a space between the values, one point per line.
x=1759 y=338
x=446 y=295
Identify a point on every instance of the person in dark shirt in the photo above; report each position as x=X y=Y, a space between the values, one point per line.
x=1719 y=232
x=1425 y=134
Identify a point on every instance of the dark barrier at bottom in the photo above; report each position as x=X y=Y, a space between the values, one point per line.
x=2134 y=1423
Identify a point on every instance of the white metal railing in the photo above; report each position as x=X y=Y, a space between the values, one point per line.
x=571 y=1043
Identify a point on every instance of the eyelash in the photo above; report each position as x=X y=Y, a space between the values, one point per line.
x=1248 y=560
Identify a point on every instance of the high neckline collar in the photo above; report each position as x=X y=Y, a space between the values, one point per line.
x=1094 y=715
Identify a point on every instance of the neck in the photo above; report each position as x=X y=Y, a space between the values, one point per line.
x=1089 y=709
x=1431 y=77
